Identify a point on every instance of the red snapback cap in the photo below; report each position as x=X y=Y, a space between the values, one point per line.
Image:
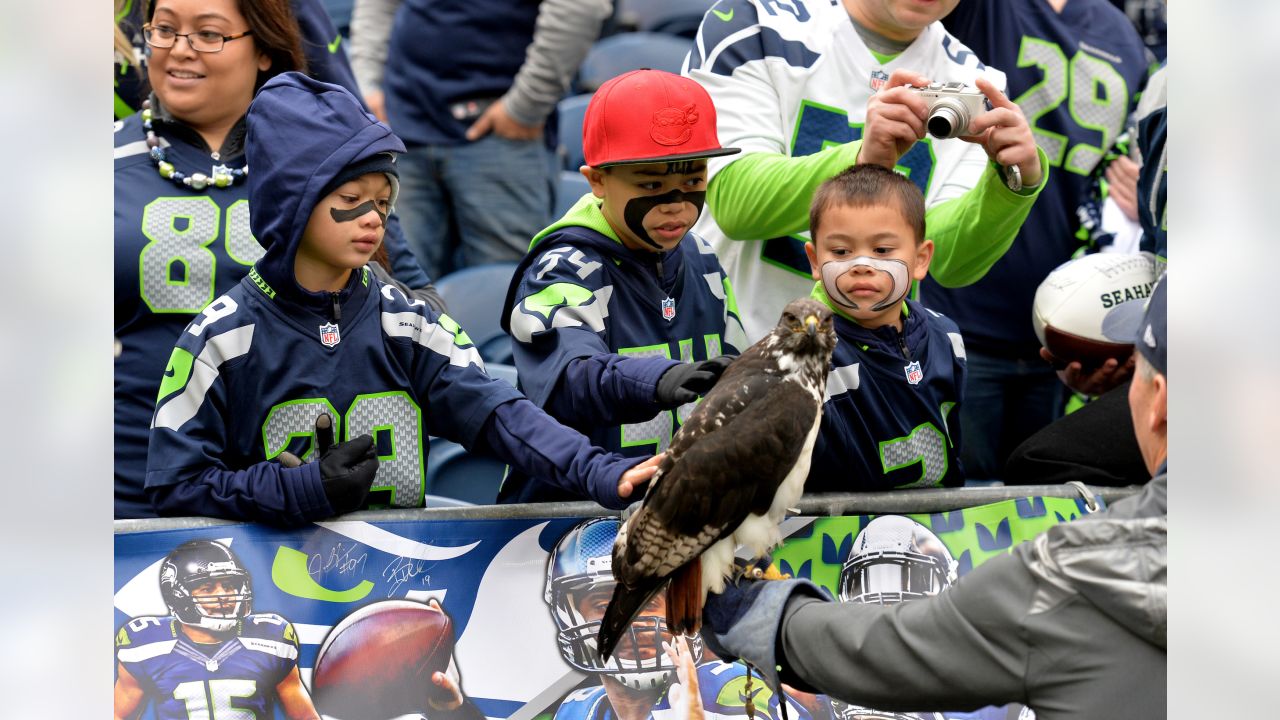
x=650 y=116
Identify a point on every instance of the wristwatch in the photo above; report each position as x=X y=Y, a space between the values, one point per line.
x=1012 y=177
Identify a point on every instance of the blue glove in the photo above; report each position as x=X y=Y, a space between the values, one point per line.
x=723 y=610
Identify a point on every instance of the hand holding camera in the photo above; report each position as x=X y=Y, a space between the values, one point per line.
x=909 y=105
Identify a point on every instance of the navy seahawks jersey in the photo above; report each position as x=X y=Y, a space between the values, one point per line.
x=581 y=293
x=1076 y=76
x=889 y=397
x=252 y=372
x=182 y=679
x=722 y=686
x=175 y=251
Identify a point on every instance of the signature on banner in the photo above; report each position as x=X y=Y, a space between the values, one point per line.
x=402 y=569
x=341 y=558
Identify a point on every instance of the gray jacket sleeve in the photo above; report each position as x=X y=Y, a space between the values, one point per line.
x=959 y=650
x=370 y=35
x=564 y=33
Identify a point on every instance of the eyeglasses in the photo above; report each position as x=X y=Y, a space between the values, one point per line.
x=205 y=41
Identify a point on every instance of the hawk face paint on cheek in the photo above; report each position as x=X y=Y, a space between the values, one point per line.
x=357 y=212
x=895 y=269
x=638 y=207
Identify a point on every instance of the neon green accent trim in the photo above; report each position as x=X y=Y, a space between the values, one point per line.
x=662 y=441
x=197 y=243
x=324 y=407
x=419 y=466
x=1078 y=158
x=122 y=108
x=686 y=350
x=730 y=298
x=229 y=244
x=176 y=374
x=260 y=283
x=1074 y=403
x=124 y=10
x=333 y=46
x=289 y=573
x=1056 y=139
x=971 y=232
x=364 y=276
x=725 y=16
x=883 y=58
x=584 y=213
x=459 y=335
x=555 y=295
x=929 y=475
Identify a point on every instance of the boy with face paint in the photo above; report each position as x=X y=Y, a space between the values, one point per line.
x=621 y=316
x=311 y=387
x=898 y=371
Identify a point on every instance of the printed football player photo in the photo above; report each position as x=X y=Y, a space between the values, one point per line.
x=211 y=656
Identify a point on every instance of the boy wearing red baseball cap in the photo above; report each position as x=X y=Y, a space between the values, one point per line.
x=621 y=316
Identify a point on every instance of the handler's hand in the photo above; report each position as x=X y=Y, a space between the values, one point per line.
x=638 y=474
x=1005 y=134
x=895 y=120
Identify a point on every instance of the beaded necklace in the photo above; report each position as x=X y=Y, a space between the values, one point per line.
x=219 y=175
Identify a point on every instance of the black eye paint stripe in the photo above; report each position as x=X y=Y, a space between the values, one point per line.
x=638 y=207
x=359 y=211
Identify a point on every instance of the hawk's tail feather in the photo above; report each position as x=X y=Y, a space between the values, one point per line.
x=684 y=599
x=623 y=608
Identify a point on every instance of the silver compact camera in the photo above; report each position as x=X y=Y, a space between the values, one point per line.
x=952 y=106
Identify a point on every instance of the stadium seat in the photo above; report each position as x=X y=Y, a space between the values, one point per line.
x=676 y=17
x=340 y=13
x=618 y=54
x=474 y=296
x=569 y=114
x=569 y=188
x=452 y=472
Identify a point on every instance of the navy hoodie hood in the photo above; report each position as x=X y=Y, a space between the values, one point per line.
x=301 y=134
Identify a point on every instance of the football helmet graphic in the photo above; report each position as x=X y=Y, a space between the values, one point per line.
x=844 y=711
x=579 y=583
x=195 y=563
x=894 y=559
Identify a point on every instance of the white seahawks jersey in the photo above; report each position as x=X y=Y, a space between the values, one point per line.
x=794 y=77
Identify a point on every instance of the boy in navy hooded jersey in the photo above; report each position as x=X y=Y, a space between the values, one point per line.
x=898 y=371
x=621 y=316
x=311 y=332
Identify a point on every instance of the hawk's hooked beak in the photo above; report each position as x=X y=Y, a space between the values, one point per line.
x=811 y=325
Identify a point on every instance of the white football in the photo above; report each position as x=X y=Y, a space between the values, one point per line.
x=1073 y=300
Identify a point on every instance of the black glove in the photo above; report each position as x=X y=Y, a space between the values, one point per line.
x=683 y=383
x=346 y=468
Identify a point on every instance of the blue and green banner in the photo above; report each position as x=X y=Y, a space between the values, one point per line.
x=512 y=655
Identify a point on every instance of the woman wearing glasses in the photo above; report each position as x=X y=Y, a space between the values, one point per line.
x=182 y=233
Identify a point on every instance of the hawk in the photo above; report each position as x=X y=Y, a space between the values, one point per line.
x=733 y=469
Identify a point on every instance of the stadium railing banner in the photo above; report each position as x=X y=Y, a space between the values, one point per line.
x=490 y=576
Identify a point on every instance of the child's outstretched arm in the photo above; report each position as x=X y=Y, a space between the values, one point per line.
x=533 y=442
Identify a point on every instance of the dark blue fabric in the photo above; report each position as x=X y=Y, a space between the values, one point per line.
x=859 y=425
x=246 y=663
x=597 y=382
x=1152 y=132
x=995 y=312
x=445 y=51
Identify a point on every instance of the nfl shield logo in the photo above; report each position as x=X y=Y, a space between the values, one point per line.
x=878 y=79
x=669 y=309
x=914 y=373
x=329 y=335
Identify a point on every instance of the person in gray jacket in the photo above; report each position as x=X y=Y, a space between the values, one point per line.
x=1072 y=624
x=468 y=86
